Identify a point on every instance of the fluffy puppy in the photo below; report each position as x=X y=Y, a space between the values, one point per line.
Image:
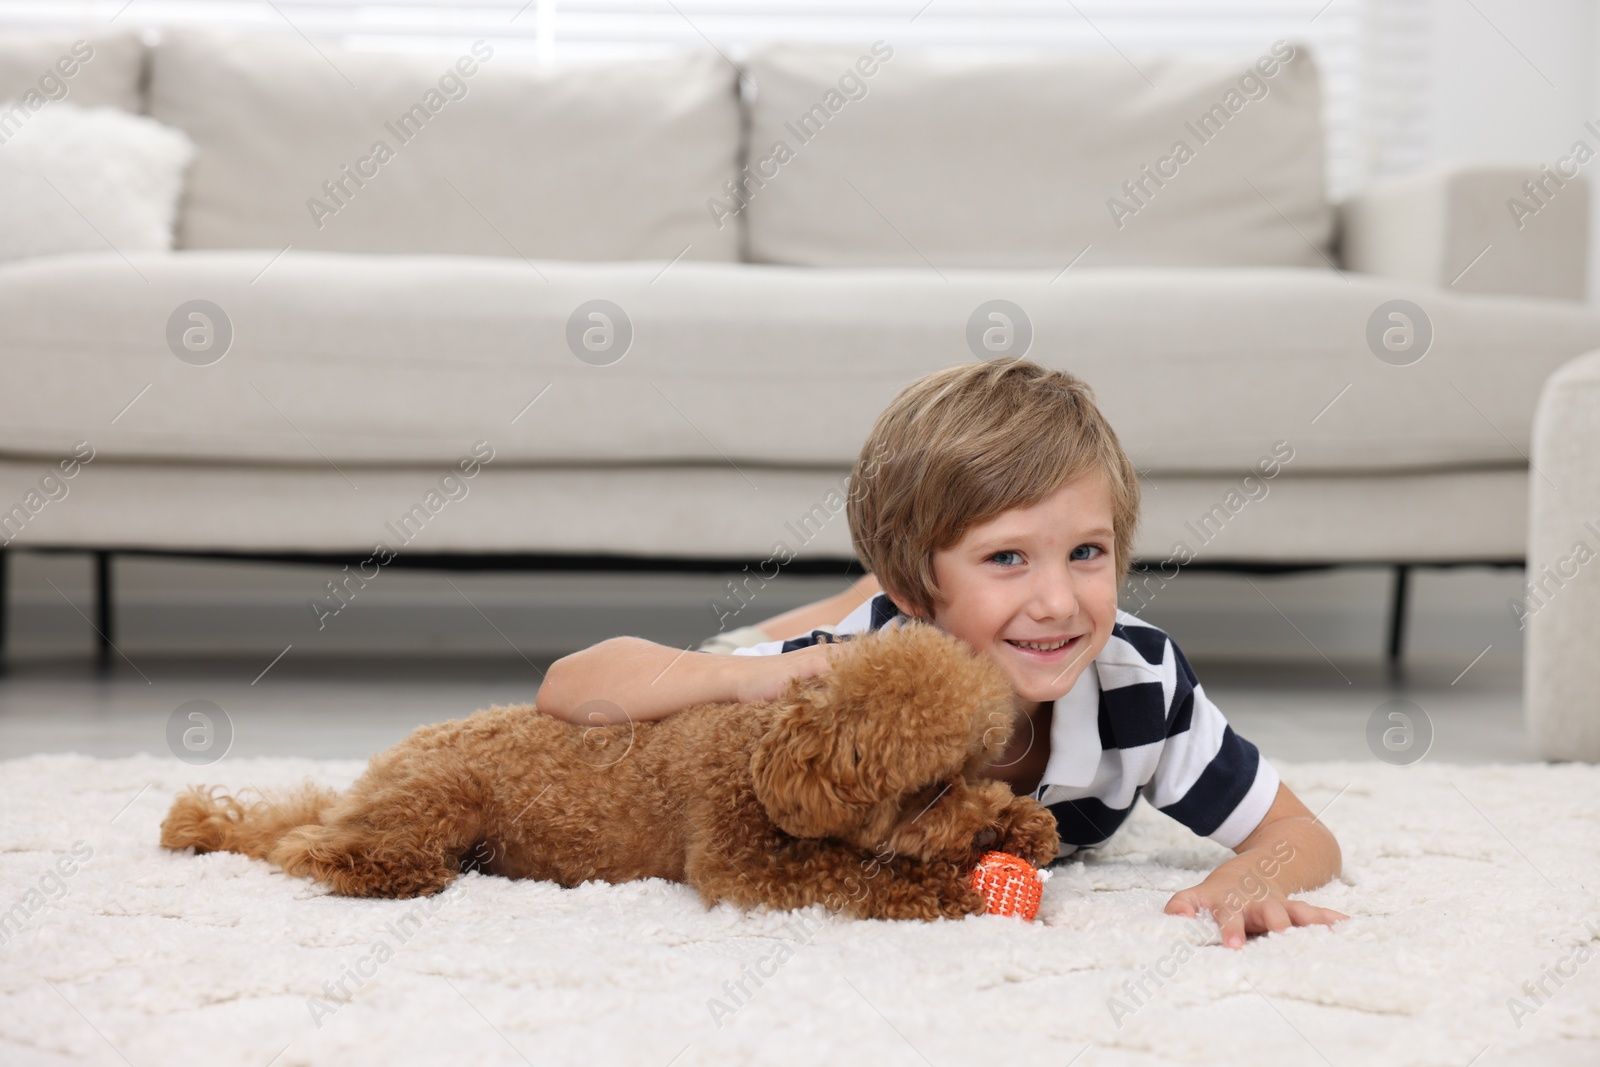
x=856 y=789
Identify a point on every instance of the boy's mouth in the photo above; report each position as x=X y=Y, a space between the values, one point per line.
x=1047 y=649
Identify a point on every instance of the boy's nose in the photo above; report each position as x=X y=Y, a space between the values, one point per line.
x=1054 y=596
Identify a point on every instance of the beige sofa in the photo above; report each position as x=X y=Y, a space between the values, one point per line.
x=1560 y=606
x=658 y=338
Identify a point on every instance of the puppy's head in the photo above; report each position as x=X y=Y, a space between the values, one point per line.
x=958 y=819
x=900 y=709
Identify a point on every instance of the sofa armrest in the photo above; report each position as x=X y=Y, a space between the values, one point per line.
x=1479 y=229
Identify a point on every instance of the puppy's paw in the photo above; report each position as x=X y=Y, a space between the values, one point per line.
x=955 y=897
x=360 y=869
x=962 y=901
x=1031 y=833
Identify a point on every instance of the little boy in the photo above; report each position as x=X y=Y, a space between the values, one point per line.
x=1004 y=514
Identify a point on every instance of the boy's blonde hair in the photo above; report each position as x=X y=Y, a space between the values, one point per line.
x=960 y=446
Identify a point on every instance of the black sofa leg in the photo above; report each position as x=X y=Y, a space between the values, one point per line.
x=1397 y=616
x=103 y=609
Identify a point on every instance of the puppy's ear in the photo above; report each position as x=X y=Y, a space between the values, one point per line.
x=900 y=708
x=797 y=768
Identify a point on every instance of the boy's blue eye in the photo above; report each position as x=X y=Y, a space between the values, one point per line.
x=1076 y=558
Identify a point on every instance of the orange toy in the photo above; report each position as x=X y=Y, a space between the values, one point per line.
x=1009 y=884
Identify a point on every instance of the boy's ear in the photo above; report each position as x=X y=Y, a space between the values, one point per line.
x=902 y=604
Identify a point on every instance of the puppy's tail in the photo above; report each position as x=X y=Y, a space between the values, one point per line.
x=207 y=820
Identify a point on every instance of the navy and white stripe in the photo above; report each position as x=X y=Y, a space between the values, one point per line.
x=1139 y=724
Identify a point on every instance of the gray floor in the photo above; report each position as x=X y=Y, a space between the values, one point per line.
x=1294 y=662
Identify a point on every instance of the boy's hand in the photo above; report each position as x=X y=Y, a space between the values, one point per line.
x=767 y=677
x=1243 y=903
x=1289 y=851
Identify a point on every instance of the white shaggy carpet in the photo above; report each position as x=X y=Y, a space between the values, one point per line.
x=1464 y=883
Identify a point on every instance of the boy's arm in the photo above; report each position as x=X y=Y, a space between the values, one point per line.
x=629 y=679
x=1215 y=782
x=1290 y=851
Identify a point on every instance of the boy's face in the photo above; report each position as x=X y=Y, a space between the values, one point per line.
x=1038 y=575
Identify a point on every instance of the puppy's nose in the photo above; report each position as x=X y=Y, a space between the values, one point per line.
x=984 y=839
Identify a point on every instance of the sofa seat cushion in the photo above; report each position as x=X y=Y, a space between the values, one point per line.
x=475 y=152
x=705 y=512
x=371 y=360
x=880 y=156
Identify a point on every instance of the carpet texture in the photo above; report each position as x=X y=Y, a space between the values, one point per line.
x=1475 y=939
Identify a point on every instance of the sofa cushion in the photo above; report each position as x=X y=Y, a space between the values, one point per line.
x=78 y=179
x=336 y=359
x=89 y=69
x=942 y=162
x=700 y=511
x=479 y=153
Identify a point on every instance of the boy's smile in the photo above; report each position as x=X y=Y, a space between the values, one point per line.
x=1035 y=589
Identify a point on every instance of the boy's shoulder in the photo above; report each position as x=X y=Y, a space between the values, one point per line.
x=873 y=614
x=1133 y=637
x=1139 y=651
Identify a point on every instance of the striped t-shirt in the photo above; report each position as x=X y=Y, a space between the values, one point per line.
x=1138 y=724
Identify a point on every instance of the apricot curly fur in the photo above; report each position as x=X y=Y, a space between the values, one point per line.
x=856 y=789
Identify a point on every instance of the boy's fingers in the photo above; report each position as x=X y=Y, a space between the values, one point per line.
x=1273 y=916
x=1180 y=904
x=1305 y=914
x=1232 y=928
